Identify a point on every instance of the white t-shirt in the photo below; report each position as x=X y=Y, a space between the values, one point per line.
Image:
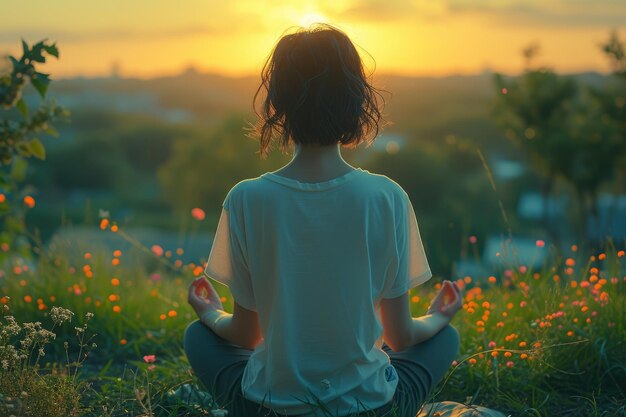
x=314 y=260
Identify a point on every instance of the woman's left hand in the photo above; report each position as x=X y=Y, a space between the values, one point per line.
x=203 y=297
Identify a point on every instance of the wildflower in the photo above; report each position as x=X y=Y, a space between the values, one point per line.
x=29 y=201
x=620 y=253
x=570 y=262
x=115 y=282
x=472 y=361
x=523 y=356
x=149 y=358
x=117 y=309
x=494 y=353
x=415 y=299
x=454 y=363
x=523 y=303
x=508 y=354
x=162 y=316
x=198 y=214
x=151 y=367
x=114 y=228
x=104 y=223
x=123 y=342
x=510 y=364
x=472 y=239
x=540 y=243
x=157 y=250
x=492 y=279
x=172 y=313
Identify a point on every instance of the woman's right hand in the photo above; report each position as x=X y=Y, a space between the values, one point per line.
x=448 y=300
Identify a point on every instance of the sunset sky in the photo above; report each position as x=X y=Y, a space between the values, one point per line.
x=145 y=38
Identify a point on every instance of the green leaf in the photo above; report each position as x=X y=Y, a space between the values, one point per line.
x=16 y=64
x=24 y=47
x=18 y=169
x=52 y=50
x=40 y=82
x=36 y=53
x=52 y=131
x=23 y=148
x=22 y=107
x=37 y=149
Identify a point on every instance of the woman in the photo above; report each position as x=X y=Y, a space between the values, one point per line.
x=319 y=257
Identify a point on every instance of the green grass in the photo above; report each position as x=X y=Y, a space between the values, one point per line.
x=560 y=349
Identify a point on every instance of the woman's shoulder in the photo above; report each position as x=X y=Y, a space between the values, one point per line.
x=386 y=184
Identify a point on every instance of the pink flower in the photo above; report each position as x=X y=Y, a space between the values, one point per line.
x=149 y=358
x=155 y=277
x=540 y=243
x=151 y=367
x=198 y=214
x=472 y=239
x=510 y=364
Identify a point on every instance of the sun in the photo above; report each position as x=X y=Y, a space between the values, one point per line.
x=310 y=18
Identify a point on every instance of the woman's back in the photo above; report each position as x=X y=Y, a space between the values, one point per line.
x=314 y=260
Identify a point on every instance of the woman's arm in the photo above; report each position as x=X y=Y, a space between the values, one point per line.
x=241 y=328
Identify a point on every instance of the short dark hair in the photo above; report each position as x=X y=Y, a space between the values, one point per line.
x=317 y=92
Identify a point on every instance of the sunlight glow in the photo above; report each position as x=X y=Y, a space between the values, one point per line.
x=310 y=18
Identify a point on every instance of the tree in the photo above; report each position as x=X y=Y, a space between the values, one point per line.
x=203 y=168
x=565 y=130
x=19 y=127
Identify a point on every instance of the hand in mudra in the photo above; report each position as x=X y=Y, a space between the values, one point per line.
x=203 y=297
x=448 y=300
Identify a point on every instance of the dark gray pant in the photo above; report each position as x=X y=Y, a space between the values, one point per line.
x=219 y=364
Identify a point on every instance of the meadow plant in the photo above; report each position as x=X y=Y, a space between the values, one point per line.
x=25 y=387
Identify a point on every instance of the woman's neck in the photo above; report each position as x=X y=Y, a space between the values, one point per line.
x=314 y=163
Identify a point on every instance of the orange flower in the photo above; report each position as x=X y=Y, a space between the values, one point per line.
x=29 y=201
x=115 y=261
x=415 y=299
x=172 y=313
x=117 y=309
x=123 y=342
x=28 y=298
x=115 y=282
x=117 y=253
x=523 y=356
x=114 y=228
x=198 y=214
x=104 y=223
x=492 y=279
x=157 y=250
x=472 y=361
x=570 y=262
x=162 y=316
x=2 y=198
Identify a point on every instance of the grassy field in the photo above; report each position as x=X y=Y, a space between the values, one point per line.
x=549 y=342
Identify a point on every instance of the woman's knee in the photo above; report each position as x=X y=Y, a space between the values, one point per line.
x=194 y=331
x=452 y=337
